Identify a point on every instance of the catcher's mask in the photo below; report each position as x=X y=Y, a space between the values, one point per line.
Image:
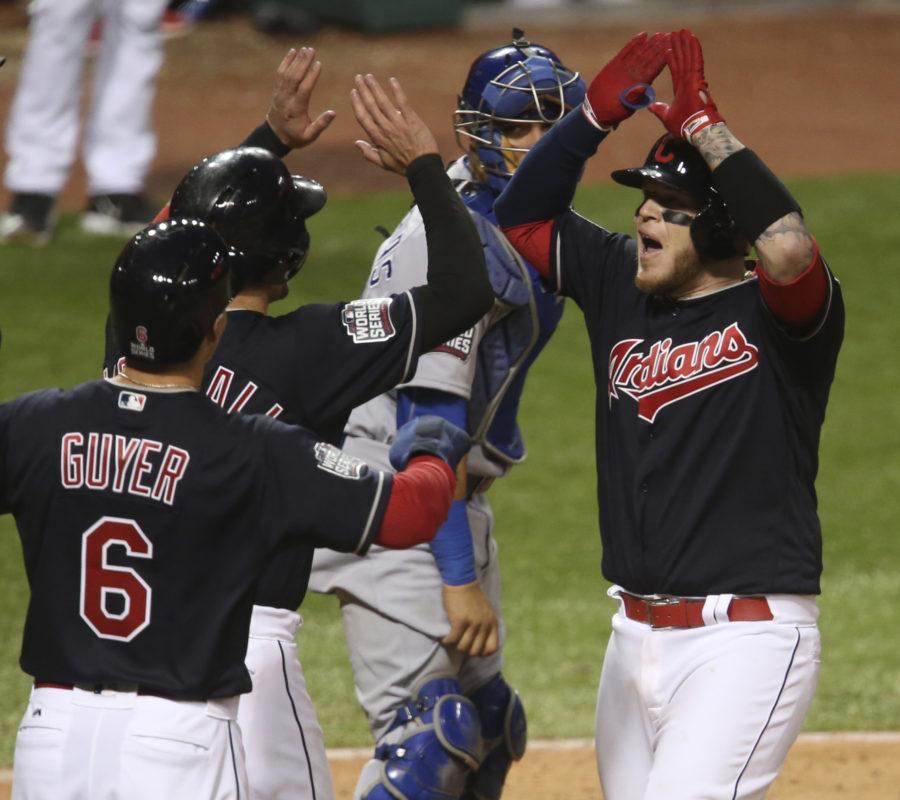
x=167 y=287
x=252 y=201
x=676 y=164
x=518 y=83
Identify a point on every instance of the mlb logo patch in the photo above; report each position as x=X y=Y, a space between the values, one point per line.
x=333 y=459
x=369 y=320
x=132 y=401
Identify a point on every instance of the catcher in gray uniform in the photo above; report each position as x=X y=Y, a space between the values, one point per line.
x=423 y=627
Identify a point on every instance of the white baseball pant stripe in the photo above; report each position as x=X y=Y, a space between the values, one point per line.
x=283 y=740
x=75 y=744
x=706 y=712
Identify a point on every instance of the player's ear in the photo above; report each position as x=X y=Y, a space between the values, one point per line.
x=211 y=340
x=218 y=327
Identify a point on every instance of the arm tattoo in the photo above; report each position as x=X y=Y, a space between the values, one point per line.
x=716 y=143
x=790 y=226
x=785 y=248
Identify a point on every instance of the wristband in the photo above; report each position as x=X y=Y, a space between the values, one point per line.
x=263 y=136
x=755 y=198
x=587 y=111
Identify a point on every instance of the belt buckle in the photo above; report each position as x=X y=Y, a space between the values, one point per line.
x=655 y=600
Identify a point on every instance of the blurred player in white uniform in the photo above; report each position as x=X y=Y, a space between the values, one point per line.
x=424 y=630
x=117 y=140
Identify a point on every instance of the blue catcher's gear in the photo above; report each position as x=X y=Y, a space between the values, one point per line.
x=441 y=744
x=510 y=346
x=505 y=734
x=429 y=435
x=510 y=86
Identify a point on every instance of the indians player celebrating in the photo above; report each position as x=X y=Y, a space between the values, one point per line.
x=424 y=629
x=714 y=380
x=313 y=365
x=147 y=514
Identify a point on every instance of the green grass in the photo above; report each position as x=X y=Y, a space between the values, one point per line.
x=52 y=305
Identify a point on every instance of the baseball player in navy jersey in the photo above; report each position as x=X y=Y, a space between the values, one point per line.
x=146 y=515
x=313 y=365
x=713 y=374
x=427 y=627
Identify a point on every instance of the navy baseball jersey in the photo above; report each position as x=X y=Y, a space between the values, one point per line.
x=694 y=397
x=146 y=518
x=309 y=367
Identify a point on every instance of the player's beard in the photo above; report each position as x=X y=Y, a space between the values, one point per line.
x=685 y=268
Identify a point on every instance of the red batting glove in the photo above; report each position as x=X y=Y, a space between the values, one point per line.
x=693 y=108
x=639 y=61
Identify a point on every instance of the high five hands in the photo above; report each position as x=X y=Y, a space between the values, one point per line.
x=624 y=85
x=396 y=135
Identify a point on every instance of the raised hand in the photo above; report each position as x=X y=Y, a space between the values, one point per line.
x=692 y=108
x=288 y=115
x=397 y=136
x=626 y=76
x=474 y=629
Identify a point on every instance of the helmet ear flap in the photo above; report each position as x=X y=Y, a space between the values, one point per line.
x=713 y=232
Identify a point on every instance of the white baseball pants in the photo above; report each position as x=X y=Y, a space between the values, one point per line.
x=705 y=712
x=75 y=744
x=119 y=142
x=283 y=741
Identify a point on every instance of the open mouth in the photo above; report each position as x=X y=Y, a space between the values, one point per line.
x=649 y=244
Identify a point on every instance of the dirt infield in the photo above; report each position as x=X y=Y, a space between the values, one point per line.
x=820 y=767
x=849 y=767
x=814 y=93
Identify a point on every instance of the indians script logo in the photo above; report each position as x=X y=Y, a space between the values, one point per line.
x=667 y=374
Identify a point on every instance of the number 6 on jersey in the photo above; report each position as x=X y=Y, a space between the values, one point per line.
x=99 y=579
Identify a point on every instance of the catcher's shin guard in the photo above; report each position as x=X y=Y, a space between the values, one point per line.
x=440 y=745
x=505 y=733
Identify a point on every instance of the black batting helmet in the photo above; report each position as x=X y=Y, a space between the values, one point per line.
x=675 y=163
x=252 y=201
x=167 y=287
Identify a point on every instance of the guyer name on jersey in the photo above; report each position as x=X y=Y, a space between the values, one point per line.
x=122 y=464
x=667 y=374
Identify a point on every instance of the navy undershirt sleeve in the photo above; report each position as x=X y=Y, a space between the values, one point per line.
x=452 y=545
x=544 y=183
x=264 y=137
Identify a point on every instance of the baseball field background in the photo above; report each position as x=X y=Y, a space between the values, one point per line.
x=814 y=90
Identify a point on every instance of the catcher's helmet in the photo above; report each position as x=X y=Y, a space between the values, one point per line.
x=675 y=163
x=518 y=83
x=167 y=287
x=252 y=201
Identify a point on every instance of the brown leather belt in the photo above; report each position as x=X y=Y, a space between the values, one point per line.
x=687 y=612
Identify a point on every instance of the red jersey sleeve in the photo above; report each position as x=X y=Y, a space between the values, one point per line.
x=797 y=302
x=532 y=241
x=420 y=501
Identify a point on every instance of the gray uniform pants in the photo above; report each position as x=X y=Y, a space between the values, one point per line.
x=394 y=618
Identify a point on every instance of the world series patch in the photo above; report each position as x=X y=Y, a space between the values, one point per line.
x=369 y=320
x=333 y=459
x=460 y=346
